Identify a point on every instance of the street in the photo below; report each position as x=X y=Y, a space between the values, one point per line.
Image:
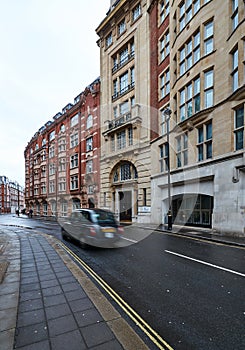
x=191 y=292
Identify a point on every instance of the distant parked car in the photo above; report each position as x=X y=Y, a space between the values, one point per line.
x=95 y=227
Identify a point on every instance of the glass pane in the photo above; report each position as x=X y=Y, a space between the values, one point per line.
x=209 y=98
x=209 y=131
x=209 y=79
x=239 y=118
x=200 y=135
x=200 y=153
x=196 y=86
x=208 y=29
x=239 y=139
x=235 y=59
x=209 y=150
x=209 y=46
x=197 y=103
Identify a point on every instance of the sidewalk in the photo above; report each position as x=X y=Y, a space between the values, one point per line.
x=48 y=303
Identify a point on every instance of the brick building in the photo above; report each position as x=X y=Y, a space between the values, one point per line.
x=11 y=196
x=62 y=158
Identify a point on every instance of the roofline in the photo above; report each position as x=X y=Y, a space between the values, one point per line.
x=109 y=16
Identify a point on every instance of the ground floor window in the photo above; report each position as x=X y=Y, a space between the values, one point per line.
x=193 y=210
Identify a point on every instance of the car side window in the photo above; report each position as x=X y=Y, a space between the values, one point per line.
x=86 y=214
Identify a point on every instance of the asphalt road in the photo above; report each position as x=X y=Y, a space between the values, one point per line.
x=191 y=292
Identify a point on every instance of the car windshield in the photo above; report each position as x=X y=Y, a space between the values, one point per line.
x=104 y=217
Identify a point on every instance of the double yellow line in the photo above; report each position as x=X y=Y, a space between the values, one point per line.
x=153 y=335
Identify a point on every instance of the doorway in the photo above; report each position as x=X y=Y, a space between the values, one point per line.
x=125 y=206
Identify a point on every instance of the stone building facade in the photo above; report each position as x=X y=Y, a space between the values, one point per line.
x=62 y=158
x=125 y=111
x=207 y=98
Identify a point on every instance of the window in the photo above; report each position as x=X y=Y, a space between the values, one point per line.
x=89 y=144
x=62 y=128
x=62 y=184
x=164 y=157
x=136 y=12
x=197 y=55
x=108 y=40
x=204 y=142
x=130 y=136
x=121 y=139
x=44 y=142
x=123 y=56
x=124 y=108
x=189 y=54
x=43 y=188
x=74 y=120
x=74 y=161
x=74 y=140
x=239 y=128
x=89 y=166
x=234 y=16
x=52 y=136
x=112 y=143
x=62 y=164
x=164 y=47
x=62 y=145
x=208 y=88
x=164 y=10
x=182 y=150
x=51 y=152
x=182 y=16
x=197 y=95
x=52 y=168
x=208 y=37
x=64 y=208
x=89 y=123
x=123 y=83
x=51 y=186
x=165 y=84
x=125 y=171
x=74 y=182
x=234 y=72
x=196 y=6
x=115 y=88
x=121 y=27
x=132 y=76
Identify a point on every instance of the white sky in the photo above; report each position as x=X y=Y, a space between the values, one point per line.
x=48 y=56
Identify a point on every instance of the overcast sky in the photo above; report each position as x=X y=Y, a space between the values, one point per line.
x=48 y=56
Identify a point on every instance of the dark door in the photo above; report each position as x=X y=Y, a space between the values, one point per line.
x=125 y=205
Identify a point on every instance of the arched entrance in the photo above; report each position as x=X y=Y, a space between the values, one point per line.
x=124 y=190
x=193 y=210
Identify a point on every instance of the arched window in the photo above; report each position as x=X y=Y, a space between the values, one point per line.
x=62 y=128
x=124 y=171
x=89 y=123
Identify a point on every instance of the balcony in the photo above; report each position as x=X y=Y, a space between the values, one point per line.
x=130 y=118
x=123 y=91
x=123 y=62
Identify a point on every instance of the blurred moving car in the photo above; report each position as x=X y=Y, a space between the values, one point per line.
x=97 y=227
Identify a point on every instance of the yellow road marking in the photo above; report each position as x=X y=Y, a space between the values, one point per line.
x=138 y=320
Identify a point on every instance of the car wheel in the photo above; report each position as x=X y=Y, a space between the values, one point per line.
x=64 y=234
x=82 y=243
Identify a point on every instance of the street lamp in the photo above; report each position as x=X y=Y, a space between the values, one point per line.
x=167 y=113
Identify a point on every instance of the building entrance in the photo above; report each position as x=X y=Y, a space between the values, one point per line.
x=125 y=206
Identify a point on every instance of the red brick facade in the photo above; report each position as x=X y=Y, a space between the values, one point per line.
x=62 y=158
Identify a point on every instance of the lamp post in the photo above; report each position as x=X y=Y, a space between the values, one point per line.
x=167 y=113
